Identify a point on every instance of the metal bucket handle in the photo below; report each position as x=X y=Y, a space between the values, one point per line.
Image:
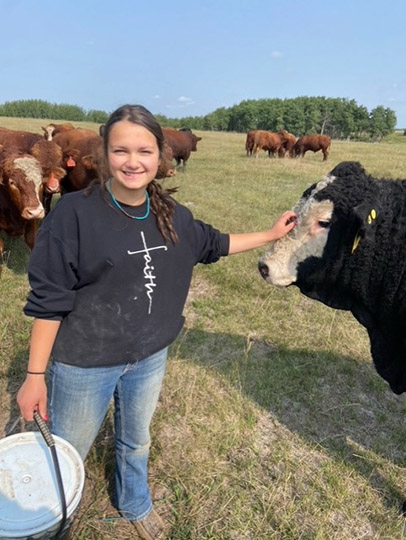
x=47 y=435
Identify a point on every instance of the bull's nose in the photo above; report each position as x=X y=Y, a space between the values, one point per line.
x=263 y=269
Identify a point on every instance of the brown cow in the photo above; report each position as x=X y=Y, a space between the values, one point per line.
x=47 y=153
x=181 y=142
x=20 y=195
x=265 y=140
x=166 y=167
x=68 y=139
x=288 y=141
x=83 y=162
x=249 y=143
x=49 y=156
x=52 y=129
x=313 y=143
x=23 y=140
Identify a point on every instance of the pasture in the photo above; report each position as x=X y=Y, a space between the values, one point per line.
x=272 y=423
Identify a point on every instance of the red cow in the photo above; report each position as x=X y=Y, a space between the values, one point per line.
x=288 y=141
x=82 y=157
x=52 y=129
x=47 y=153
x=21 y=188
x=166 y=167
x=265 y=140
x=83 y=164
x=49 y=156
x=313 y=143
x=18 y=139
x=68 y=138
x=181 y=142
x=249 y=143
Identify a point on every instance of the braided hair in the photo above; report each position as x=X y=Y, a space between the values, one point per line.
x=162 y=204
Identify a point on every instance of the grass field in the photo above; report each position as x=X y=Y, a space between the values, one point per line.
x=272 y=423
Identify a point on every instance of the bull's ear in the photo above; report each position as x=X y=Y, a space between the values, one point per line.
x=366 y=215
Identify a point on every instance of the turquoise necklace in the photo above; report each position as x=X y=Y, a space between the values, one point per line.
x=118 y=205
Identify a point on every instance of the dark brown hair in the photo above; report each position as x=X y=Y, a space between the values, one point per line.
x=162 y=204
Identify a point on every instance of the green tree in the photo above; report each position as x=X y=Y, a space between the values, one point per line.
x=381 y=122
x=93 y=115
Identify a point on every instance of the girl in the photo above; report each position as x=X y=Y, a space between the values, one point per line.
x=109 y=276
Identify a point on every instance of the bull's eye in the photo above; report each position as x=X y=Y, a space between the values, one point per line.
x=324 y=224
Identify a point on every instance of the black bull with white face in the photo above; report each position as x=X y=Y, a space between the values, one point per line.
x=348 y=251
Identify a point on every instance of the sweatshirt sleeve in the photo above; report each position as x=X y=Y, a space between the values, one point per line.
x=52 y=268
x=210 y=243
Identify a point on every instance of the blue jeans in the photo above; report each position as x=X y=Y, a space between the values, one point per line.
x=78 y=400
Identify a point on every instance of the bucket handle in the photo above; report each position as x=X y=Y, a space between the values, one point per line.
x=42 y=426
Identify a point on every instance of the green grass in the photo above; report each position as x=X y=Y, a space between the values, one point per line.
x=272 y=423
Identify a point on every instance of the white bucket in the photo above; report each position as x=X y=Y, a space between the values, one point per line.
x=30 y=506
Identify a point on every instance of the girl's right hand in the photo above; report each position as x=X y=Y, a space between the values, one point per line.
x=32 y=396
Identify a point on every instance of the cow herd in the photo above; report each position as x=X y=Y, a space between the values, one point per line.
x=34 y=167
x=283 y=144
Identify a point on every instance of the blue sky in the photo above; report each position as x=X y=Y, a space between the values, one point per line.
x=188 y=58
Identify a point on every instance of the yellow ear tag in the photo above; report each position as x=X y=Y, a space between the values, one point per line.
x=371 y=217
x=356 y=242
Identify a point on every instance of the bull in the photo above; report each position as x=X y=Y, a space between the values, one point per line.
x=268 y=141
x=314 y=143
x=21 y=188
x=347 y=251
x=288 y=141
x=181 y=143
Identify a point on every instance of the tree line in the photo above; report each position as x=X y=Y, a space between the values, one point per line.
x=37 y=108
x=340 y=118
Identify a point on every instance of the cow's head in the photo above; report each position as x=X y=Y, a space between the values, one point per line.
x=71 y=157
x=195 y=140
x=335 y=218
x=49 y=155
x=22 y=177
x=48 y=131
x=166 y=168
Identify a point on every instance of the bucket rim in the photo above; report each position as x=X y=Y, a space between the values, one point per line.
x=26 y=465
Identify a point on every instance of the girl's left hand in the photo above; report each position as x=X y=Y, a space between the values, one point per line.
x=284 y=224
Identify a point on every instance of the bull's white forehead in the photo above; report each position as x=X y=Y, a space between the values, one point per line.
x=50 y=130
x=325 y=181
x=304 y=202
x=31 y=168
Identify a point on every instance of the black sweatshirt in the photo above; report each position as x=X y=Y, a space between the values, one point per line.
x=116 y=286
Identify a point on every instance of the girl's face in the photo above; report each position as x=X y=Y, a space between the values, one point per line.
x=133 y=158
